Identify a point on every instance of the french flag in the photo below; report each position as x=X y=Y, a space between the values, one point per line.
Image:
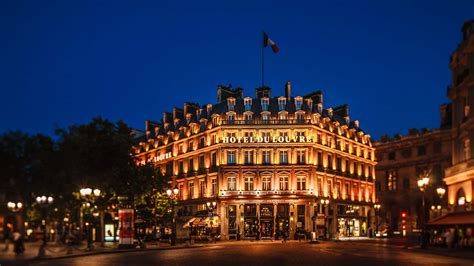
x=268 y=42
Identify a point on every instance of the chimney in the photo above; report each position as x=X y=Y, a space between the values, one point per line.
x=288 y=90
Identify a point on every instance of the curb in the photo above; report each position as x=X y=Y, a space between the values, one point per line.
x=113 y=251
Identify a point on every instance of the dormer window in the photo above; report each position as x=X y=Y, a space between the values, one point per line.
x=231 y=118
x=281 y=103
x=248 y=117
x=188 y=118
x=198 y=113
x=209 y=109
x=298 y=102
x=265 y=117
x=309 y=102
x=265 y=103
x=248 y=103
x=231 y=104
x=300 y=116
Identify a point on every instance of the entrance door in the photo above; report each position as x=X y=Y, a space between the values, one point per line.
x=266 y=221
x=266 y=229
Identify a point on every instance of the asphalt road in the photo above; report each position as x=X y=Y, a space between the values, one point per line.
x=269 y=253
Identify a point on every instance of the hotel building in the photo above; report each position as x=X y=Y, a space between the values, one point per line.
x=273 y=165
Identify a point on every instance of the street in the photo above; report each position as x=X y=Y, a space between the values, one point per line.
x=269 y=253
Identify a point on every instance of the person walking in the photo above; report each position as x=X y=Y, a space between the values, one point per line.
x=7 y=236
x=19 y=248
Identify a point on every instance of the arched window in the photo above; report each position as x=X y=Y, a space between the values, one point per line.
x=460 y=197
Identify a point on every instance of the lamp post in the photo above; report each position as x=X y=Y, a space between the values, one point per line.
x=377 y=213
x=440 y=191
x=211 y=206
x=423 y=184
x=325 y=204
x=89 y=195
x=43 y=202
x=172 y=194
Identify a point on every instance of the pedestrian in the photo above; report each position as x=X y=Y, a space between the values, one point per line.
x=448 y=238
x=8 y=236
x=18 y=243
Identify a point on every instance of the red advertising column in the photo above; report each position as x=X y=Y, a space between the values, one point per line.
x=126 y=227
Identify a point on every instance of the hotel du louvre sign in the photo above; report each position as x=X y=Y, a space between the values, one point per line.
x=267 y=139
x=157 y=158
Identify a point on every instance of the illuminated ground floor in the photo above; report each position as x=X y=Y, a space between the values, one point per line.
x=270 y=218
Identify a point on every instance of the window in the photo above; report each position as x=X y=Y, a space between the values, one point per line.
x=169 y=169
x=202 y=142
x=284 y=134
x=265 y=134
x=266 y=157
x=248 y=157
x=231 y=183
x=329 y=162
x=298 y=103
x=265 y=102
x=406 y=183
x=202 y=188
x=248 y=117
x=406 y=153
x=282 y=116
x=320 y=158
x=300 y=134
x=391 y=155
x=191 y=165
x=437 y=147
x=421 y=150
x=180 y=194
x=283 y=157
x=191 y=145
x=329 y=186
x=248 y=134
x=300 y=116
x=191 y=190
x=231 y=157
x=248 y=183
x=281 y=103
x=213 y=159
x=467 y=149
x=180 y=148
x=248 y=103
x=265 y=117
x=339 y=163
x=214 y=186
x=391 y=180
x=181 y=167
x=201 y=162
x=283 y=182
x=300 y=183
x=301 y=157
x=266 y=183
x=231 y=118
x=231 y=104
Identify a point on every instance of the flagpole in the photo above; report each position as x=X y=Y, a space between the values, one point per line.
x=263 y=69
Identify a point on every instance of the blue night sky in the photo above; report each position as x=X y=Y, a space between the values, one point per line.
x=65 y=62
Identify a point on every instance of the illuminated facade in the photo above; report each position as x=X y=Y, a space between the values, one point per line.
x=268 y=163
x=460 y=177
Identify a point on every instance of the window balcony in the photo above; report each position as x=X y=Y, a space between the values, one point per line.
x=267 y=122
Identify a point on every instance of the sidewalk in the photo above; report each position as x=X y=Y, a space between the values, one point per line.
x=409 y=245
x=55 y=251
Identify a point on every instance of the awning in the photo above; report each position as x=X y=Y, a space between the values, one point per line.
x=455 y=218
x=202 y=221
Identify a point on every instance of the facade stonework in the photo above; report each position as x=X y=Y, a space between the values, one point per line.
x=274 y=166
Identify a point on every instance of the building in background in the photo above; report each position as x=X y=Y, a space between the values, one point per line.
x=460 y=177
x=402 y=161
x=274 y=166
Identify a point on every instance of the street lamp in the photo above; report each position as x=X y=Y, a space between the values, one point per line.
x=172 y=194
x=377 y=213
x=43 y=202
x=211 y=206
x=423 y=184
x=325 y=203
x=89 y=195
x=14 y=207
